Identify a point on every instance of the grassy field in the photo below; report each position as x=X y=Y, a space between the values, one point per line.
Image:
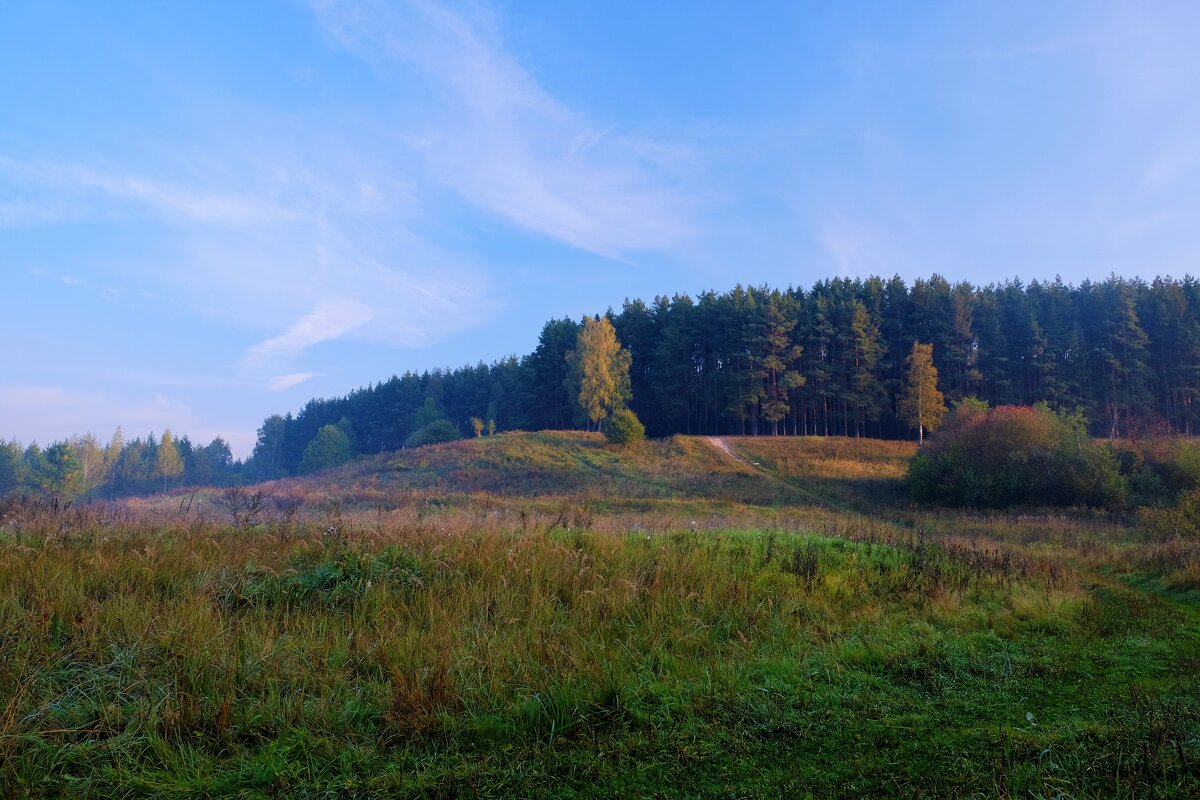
x=541 y=615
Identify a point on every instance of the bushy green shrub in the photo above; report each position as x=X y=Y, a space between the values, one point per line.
x=1015 y=455
x=1183 y=471
x=440 y=430
x=1159 y=468
x=330 y=448
x=1180 y=520
x=624 y=428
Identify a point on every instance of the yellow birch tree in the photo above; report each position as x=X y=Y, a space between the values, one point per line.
x=921 y=403
x=598 y=376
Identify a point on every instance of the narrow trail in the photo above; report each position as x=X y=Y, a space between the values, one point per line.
x=722 y=443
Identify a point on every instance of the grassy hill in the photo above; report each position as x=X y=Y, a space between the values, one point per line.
x=541 y=615
x=678 y=471
x=687 y=466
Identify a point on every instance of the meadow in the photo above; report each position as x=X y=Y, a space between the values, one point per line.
x=545 y=615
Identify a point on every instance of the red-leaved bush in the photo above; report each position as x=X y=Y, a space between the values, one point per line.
x=1015 y=455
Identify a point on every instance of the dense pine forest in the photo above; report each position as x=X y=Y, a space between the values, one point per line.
x=829 y=361
x=826 y=361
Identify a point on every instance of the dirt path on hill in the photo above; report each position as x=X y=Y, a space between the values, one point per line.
x=722 y=444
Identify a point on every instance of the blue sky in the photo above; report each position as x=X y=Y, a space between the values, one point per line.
x=213 y=211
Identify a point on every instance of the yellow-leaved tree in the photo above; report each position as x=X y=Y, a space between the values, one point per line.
x=167 y=461
x=921 y=403
x=598 y=376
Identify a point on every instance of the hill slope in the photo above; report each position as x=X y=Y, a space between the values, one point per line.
x=767 y=471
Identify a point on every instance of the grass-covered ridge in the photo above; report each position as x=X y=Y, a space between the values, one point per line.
x=570 y=463
x=786 y=631
x=584 y=468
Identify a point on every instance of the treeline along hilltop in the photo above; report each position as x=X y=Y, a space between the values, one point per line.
x=829 y=360
x=826 y=361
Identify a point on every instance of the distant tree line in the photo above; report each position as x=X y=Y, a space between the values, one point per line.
x=576 y=377
x=83 y=466
x=831 y=360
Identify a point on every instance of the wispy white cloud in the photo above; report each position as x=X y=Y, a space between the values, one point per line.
x=507 y=145
x=206 y=207
x=328 y=321
x=73 y=191
x=301 y=231
x=300 y=237
x=337 y=278
x=279 y=383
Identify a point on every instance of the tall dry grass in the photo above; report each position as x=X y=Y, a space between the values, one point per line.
x=353 y=640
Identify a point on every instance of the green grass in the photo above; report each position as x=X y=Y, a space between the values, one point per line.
x=480 y=643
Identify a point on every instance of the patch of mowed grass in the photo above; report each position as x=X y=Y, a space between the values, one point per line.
x=432 y=656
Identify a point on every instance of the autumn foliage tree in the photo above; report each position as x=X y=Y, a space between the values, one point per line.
x=598 y=375
x=167 y=462
x=921 y=403
x=1015 y=455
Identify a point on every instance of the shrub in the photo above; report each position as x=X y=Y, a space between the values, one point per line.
x=624 y=428
x=1012 y=455
x=329 y=448
x=1159 y=468
x=438 y=431
x=1181 y=520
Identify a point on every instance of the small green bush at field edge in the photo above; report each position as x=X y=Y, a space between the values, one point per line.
x=624 y=428
x=435 y=432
